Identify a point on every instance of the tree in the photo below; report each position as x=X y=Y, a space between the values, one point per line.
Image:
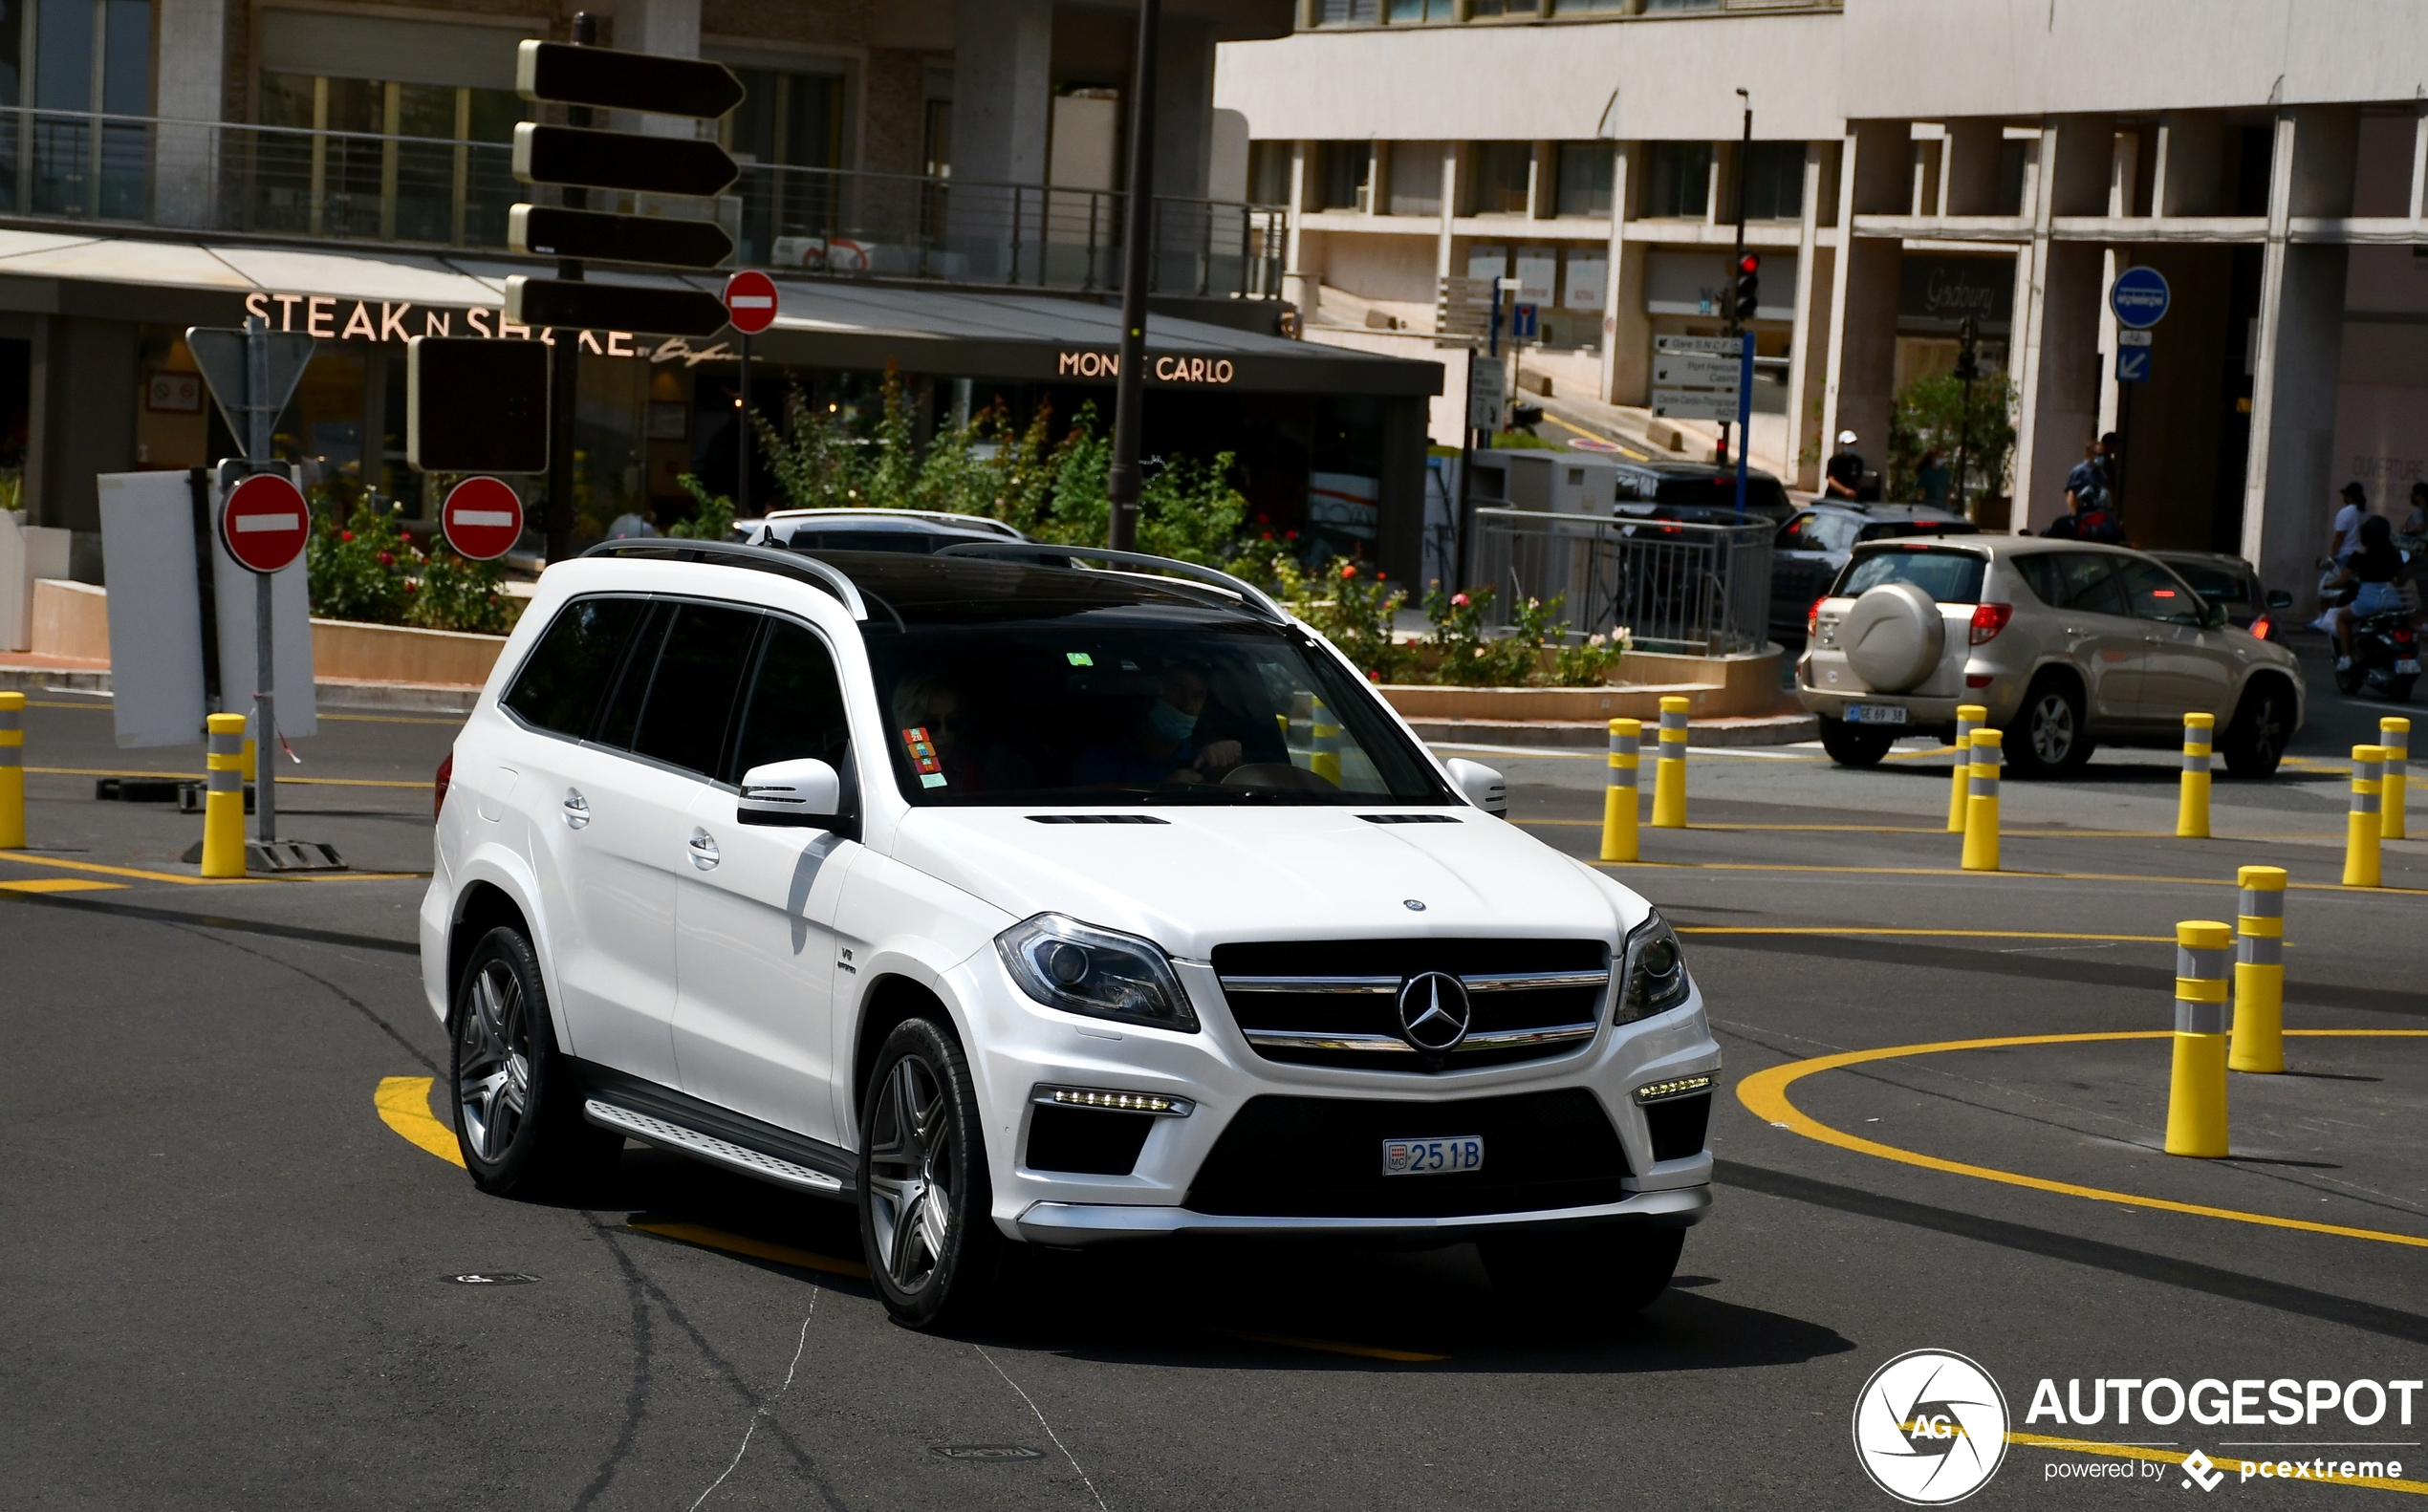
x=1928 y=415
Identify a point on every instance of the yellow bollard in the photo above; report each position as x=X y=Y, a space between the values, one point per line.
x=247 y=769
x=1669 y=771
x=2259 y=972
x=1970 y=717
x=2394 y=733
x=1324 y=731
x=2361 y=830
x=1618 y=799
x=2192 y=806
x=224 y=797
x=1980 y=801
x=12 y=771
x=2196 y=1097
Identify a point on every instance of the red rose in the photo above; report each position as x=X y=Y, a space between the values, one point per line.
x=1348 y=573
x=345 y=535
x=386 y=560
x=1458 y=601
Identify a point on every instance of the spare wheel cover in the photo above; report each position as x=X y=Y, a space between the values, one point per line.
x=1892 y=636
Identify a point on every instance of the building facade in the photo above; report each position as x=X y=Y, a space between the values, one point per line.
x=1912 y=162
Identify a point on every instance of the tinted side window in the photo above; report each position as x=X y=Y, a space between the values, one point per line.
x=2089 y=583
x=623 y=717
x=1802 y=533
x=795 y=707
x=2156 y=594
x=563 y=683
x=691 y=698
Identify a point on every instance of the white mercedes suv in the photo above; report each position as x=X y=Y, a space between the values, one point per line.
x=1022 y=902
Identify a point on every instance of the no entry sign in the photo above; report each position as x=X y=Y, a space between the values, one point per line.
x=750 y=301
x=266 y=523
x=482 y=517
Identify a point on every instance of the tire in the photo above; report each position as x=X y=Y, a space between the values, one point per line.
x=2256 y=736
x=2050 y=737
x=925 y=1202
x=1856 y=745
x=2350 y=679
x=518 y=1108
x=1600 y=1274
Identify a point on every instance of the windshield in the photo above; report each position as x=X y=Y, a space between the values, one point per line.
x=1951 y=577
x=1096 y=709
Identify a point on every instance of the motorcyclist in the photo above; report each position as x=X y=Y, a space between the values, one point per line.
x=2374 y=569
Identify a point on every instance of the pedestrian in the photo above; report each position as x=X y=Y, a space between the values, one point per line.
x=2414 y=529
x=2111 y=463
x=632 y=525
x=2090 y=512
x=1843 y=476
x=1933 y=478
x=2347 y=529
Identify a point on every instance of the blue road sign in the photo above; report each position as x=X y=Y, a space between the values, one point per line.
x=1523 y=323
x=2133 y=364
x=2139 y=297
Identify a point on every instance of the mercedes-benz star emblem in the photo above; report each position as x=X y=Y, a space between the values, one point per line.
x=1432 y=1011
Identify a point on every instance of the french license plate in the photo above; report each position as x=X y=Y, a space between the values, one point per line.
x=1431 y=1157
x=1874 y=714
x=2410 y=668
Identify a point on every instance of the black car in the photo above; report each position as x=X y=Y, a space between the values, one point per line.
x=2228 y=582
x=1813 y=547
x=912 y=530
x=1696 y=493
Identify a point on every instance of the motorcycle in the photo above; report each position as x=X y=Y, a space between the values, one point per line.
x=2385 y=657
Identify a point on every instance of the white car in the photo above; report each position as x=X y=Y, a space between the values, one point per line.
x=1027 y=903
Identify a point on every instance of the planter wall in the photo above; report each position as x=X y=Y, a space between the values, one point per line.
x=1720 y=687
x=71 y=620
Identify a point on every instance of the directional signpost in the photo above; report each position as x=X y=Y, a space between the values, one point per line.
x=749 y=302
x=481 y=518
x=1697 y=378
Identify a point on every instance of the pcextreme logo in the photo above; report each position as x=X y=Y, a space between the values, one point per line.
x=1930 y=1427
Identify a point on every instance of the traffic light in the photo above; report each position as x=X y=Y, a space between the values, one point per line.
x=1748 y=283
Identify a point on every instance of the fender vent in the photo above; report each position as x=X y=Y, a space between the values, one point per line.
x=1409 y=818
x=1095 y=818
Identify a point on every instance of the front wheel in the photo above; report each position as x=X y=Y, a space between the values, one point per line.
x=1856 y=745
x=1598 y=1273
x=925 y=1201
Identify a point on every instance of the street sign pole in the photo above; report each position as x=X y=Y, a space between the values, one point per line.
x=1122 y=484
x=1736 y=320
x=267 y=744
x=741 y=479
x=564 y=370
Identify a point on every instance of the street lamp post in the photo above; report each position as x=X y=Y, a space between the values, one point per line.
x=1967 y=369
x=1121 y=481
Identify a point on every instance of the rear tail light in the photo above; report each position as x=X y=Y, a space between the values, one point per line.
x=1988 y=619
x=2402 y=634
x=439 y=786
x=1812 y=617
x=2263 y=627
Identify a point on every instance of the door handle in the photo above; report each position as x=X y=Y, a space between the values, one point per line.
x=704 y=851
x=577 y=811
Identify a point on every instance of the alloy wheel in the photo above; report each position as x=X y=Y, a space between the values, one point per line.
x=910 y=1174
x=2053 y=729
x=494 y=1082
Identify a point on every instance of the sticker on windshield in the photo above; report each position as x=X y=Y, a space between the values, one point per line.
x=1081 y=659
x=922 y=755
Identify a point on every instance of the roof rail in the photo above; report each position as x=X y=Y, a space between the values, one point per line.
x=1048 y=554
x=727 y=553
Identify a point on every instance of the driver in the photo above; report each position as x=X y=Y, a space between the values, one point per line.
x=1161 y=744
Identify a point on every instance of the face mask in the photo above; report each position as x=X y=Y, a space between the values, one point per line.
x=1168 y=723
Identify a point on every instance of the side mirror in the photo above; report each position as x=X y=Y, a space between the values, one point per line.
x=807 y=793
x=2278 y=598
x=1481 y=787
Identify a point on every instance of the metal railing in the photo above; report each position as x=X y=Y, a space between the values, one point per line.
x=431 y=192
x=1676 y=585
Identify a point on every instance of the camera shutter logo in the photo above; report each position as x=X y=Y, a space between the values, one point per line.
x=1432 y=1011
x=1930 y=1428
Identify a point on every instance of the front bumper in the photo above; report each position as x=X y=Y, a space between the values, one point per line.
x=1079 y=1223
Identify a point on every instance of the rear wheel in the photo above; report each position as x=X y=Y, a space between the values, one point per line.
x=2255 y=739
x=518 y=1115
x=926 y=1218
x=2050 y=737
x=1606 y=1273
x=1856 y=745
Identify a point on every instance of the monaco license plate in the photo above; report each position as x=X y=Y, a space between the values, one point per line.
x=1432 y=1157
x=2407 y=667
x=1874 y=714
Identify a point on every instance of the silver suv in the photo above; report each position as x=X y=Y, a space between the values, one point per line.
x=2067 y=643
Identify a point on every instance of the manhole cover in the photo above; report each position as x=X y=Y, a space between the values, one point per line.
x=491 y=1277
x=984 y=1452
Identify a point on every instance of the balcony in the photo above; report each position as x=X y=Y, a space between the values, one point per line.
x=429 y=194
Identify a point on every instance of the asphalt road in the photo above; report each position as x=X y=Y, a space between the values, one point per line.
x=226 y=1271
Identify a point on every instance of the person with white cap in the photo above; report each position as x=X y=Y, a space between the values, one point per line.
x=1843 y=477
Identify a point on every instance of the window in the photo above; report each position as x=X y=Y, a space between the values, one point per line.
x=1347 y=12
x=692 y=691
x=1774 y=181
x=795 y=711
x=1503 y=170
x=787 y=119
x=1485 y=7
x=346 y=184
x=1813 y=531
x=560 y=687
x=2074 y=580
x=1677 y=180
x=1341 y=173
x=1415 y=177
x=2216 y=585
x=2011 y=158
x=2156 y=594
x=1896 y=529
x=88 y=56
x=1424 y=10
x=1950 y=577
x=1585 y=178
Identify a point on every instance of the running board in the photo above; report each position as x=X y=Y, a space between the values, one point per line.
x=655 y=1131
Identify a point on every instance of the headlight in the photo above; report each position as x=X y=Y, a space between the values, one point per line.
x=1655 y=978
x=1073 y=966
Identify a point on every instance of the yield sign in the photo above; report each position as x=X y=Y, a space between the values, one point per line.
x=750 y=301
x=266 y=523
x=483 y=518
x=219 y=352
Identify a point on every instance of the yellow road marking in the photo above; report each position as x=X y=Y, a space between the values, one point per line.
x=1625 y=450
x=2090 y=1446
x=404 y=1106
x=1866 y=929
x=57 y=884
x=1950 y=870
x=191 y=776
x=1941 y=829
x=126 y=871
x=1766 y=1095
x=1335 y=1346
x=756 y=1248
x=392 y=718
x=100 y=704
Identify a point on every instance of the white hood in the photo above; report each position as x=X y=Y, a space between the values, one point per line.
x=1208 y=875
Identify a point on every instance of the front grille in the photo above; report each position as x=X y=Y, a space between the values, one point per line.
x=1322 y=1157
x=1337 y=1003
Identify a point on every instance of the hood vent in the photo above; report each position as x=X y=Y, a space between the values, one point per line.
x=1095 y=818
x=1409 y=818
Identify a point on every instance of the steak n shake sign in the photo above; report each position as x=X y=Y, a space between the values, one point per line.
x=329 y=318
x=1168 y=368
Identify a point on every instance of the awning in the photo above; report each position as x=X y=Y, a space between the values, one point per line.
x=390 y=296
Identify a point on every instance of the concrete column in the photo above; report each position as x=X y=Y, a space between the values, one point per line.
x=2188 y=177
x=1298 y=283
x=1183 y=106
x=80 y=416
x=1864 y=286
x=2287 y=488
x=2056 y=339
x=1624 y=342
x=2420 y=157
x=1002 y=89
x=1806 y=372
x=1969 y=183
x=185 y=158
x=670 y=29
x=1443 y=267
